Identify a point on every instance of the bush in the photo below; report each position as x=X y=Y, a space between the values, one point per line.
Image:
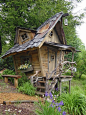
x=1 y=77
x=7 y=63
x=27 y=88
x=22 y=80
x=9 y=72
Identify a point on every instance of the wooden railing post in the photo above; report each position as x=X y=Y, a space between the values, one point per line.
x=47 y=88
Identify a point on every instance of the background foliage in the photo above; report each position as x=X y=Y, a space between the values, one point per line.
x=31 y=14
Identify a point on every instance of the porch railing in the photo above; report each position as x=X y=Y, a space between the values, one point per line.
x=55 y=75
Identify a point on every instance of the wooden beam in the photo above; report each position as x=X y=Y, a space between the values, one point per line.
x=66 y=79
x=72 y=56
x=48 y=59
x=18 y=101
x=40 y=60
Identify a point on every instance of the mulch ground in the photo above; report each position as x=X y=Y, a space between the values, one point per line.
x=9 y=93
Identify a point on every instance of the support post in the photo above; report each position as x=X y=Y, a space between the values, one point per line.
x=6 y=80
x=59 y=87
x=72 y=64
x=16 y=82
x=69 y=85
x=56 y=86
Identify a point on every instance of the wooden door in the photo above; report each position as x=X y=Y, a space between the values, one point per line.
x=51 y=61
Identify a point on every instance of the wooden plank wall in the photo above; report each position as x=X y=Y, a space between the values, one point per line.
x=54 y=37
x=44 y=59
x=34 y=61
x=29 y=34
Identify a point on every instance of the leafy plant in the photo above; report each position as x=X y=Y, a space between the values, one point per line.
x=74 y=103
x=7 y=63
x=9 y=72
x=27 y=88
x=22 y=80
x=50 y=107
x=1 y=77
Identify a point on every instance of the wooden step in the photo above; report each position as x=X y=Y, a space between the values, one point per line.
x=42 y=81
x=41 y=87
x=66 y=76
x=40 y=93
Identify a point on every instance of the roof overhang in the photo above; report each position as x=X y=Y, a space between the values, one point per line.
x=62 y=47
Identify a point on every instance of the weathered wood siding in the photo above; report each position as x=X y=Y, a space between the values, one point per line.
x=39 y=60
x=44 y=60
x=34 y=61
x=54 y=37
x=29 y=34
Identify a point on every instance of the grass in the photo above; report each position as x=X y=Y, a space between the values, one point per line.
x=78 y=84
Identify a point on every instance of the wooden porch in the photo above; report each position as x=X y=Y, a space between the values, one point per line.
x=54 y=79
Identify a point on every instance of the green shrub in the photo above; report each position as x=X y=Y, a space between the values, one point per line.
x=9 y=72
x=7 y=63
x=22 y=80
x=27 y=88
x=74 y=103
x=1 y=77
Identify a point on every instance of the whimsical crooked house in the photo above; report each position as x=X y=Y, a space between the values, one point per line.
x=40 y=54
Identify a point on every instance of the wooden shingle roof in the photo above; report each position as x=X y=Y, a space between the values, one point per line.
x=38 y=40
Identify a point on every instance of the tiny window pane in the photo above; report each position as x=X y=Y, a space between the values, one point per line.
x=24 y=36
x=51 y=34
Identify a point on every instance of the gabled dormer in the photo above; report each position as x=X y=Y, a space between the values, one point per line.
x=23 y=35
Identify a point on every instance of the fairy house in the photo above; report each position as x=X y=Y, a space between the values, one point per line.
x=43 y=49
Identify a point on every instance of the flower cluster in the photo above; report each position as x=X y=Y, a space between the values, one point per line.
x=24 y=66
x=55 y=104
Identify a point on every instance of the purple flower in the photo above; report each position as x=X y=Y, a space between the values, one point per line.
x=51 y=105
x=46 y=94
x=53 y=101
x=56 y=104
x=51 y=96
x=59 y=109
x=55 y=95
x=57 y=89
x=64 y=113
x=61 y=103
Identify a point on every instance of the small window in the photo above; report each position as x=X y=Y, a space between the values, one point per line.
x=52 y=57
x=51 y=34
x=24 y=36
x=26 y=59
